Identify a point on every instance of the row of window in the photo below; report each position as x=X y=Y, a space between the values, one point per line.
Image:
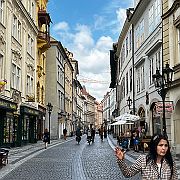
x=31 y=9
x=154 y=15
x=126 y=86
x=16 y=79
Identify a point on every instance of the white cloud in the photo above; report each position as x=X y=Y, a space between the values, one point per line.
x=61 y=26
x=93 y=55
x=93 y=58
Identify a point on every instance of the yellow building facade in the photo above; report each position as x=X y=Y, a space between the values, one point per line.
x=43 y=43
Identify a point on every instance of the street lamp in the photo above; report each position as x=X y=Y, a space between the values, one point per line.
x=129 y=102
x=49 y=109
x=162 y=84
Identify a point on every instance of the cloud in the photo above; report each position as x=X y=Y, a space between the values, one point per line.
x=92 y=52
x=93 y=57
x=61 y=26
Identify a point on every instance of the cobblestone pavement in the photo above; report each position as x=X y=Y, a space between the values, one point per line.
x=64 y=161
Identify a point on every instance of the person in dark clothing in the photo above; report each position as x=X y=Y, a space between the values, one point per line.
x=78 y=135
x=93 y=134
x=101 y=132
x=65 y=133
x=46 y=138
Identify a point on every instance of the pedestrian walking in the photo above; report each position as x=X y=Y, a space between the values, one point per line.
x=65 y=133
x=46 y=138
x=93 y=134
x=78 y=135
x=101 y=132
x=158 y=164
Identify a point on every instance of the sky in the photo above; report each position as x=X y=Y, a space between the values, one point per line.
x=88 y=28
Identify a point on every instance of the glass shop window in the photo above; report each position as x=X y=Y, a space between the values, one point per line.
x=25 y=128
x=8 y=130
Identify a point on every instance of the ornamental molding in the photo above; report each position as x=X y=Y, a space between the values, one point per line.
x=16 y=56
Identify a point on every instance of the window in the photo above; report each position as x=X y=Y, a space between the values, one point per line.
x=130 y=77
x=130 y=40
x=15 y=77
x=30 y=45
x=59 y=73
x=127 y=83
x=2 y=11
x=157 y=9
x=158 y=59
x=140 y=34
x=154 y=15
x=155 y=63
x=59 y=98
x=19 y=31
x=8 y=130
x=25 y=128
x=151 y=19
x=32 y=10
x=61 y=76
x=123 y=55
x=127 y=46
x=1 y=66
x=138 y=80
x=151 y=70
x=137 y=37
x=30 y=83
x=141 y=31
x=142 y=78
x=14 y=29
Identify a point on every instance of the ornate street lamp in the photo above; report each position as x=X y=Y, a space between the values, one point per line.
x=162 y=84
x=129 y=102
x=49 y=109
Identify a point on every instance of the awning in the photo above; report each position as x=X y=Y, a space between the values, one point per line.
x=127 y=117
x=120 y=123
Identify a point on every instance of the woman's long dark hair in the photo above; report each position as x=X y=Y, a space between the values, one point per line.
x=153 y=151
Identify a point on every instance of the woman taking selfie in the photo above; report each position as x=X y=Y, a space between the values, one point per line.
x=157 y=165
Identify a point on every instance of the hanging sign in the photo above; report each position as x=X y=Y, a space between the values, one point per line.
x=169 y=106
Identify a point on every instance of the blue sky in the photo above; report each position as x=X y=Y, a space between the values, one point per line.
x=88 y=29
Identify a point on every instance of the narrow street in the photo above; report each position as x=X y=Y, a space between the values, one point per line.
x=69 y=160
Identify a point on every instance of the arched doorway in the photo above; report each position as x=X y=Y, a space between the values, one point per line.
x=156 y=120
x=176 y=118
x=142 y=122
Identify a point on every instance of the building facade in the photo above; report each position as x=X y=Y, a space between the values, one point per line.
x=56 y=58
x=19 y=112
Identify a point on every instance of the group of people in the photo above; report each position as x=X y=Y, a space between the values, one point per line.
x=131 y=139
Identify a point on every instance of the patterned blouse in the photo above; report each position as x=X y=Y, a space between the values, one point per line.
x=149 y=170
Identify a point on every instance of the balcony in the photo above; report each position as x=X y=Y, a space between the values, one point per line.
x=44 y=32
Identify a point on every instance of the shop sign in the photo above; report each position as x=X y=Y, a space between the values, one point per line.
x=8 y=105
x=169 y=106
x=29 y=111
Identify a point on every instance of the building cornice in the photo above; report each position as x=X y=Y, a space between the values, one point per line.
x=174 y=7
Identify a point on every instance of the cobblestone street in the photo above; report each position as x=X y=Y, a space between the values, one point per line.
x=68 y=160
